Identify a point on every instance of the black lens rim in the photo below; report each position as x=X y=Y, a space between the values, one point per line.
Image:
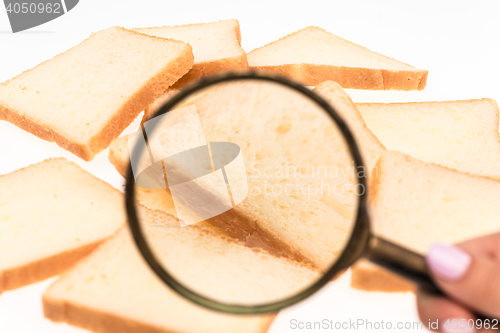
x=354 y=247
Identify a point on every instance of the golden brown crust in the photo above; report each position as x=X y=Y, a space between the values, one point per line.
x=351 y=77
x=120 y=165
x=429 y=103
x=237 y=31
x=123 y=117
x=93 y=320
x=379 y=279
x=497 y=113
x=44 y=132
x=102 y=322
x=267 y=321
x=375 y=181
x=43 y=269
x=236 y=225
x=203 y=69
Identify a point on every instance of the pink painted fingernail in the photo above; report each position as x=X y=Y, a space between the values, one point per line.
x=448 y=262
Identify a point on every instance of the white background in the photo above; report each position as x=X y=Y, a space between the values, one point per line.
x=458 y=42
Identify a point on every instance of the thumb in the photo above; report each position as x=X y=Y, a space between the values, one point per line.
x=473 y=280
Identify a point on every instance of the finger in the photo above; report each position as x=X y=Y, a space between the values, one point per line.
x=488 y=245
x=438 y=312
x=471 y=280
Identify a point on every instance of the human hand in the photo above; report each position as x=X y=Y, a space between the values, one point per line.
x=470 y=274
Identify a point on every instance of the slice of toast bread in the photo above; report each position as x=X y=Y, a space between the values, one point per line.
x=216 y=46
x=114 y=290
x=85 y=97
x=52 y=214
x=416 y=204
x=313 y=55
x=461 y=135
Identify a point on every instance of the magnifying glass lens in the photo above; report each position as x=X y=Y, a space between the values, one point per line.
x=252 y=192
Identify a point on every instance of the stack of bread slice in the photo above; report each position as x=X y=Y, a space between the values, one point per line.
x=437 y=182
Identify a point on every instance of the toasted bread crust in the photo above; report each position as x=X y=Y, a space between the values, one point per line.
x=102 y=322
x=123 y=117
x=351 y=77
x=44 y=132
x=119 y=164
x=430 y=103
x=203 y=69
x=379 y=279
x=43 y=269
x=374 y=183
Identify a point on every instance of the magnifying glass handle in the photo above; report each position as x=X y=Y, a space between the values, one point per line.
x=405 y=263
x=401 y=261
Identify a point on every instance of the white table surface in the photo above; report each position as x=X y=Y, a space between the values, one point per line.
x=458 y=42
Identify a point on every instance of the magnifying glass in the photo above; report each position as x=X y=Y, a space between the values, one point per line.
x=268 y=190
